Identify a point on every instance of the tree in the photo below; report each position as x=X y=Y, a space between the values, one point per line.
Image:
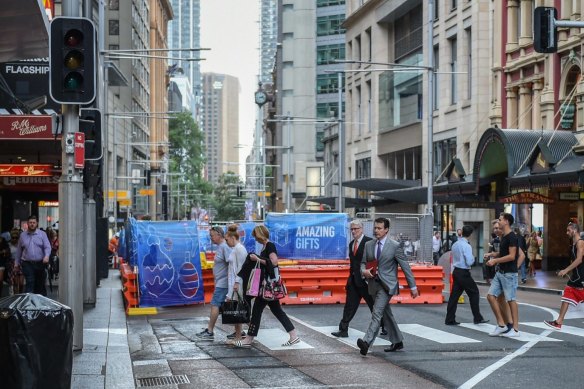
x=224 y=195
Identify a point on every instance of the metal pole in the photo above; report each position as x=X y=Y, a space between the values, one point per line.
x=115 y=170
x=430 y=107
x=102 y=80
x=89 y=268
x=289 y=163
x=341 y=142
x=71 y=222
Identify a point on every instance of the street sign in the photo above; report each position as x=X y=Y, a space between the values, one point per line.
x=79 y=155
x=25 y=170
x=122 y=194
x=147 y=192
x=125 y=202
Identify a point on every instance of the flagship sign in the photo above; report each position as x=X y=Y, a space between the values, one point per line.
x=526 y=198
x=20 y=127
x=26 y=170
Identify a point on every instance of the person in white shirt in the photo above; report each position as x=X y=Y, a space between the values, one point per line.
x=436 y=244
x=235 y=261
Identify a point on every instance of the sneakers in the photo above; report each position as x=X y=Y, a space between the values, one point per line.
x=499 y=331
x=232 y=336
x=205 y=334
x=511 y=334
x=553 y=324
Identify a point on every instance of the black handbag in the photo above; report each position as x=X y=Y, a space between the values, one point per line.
x=235 y=311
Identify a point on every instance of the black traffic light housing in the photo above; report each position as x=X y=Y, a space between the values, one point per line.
x=545 y=32
x=239 y=193
x=72 y=60
x=90 y=125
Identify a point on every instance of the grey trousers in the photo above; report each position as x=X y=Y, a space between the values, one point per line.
x=381 y=308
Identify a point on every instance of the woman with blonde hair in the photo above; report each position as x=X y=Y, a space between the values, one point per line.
x=268 y=253
x=532 y=252
x=235 y=262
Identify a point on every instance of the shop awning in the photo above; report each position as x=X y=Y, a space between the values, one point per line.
x=350 y=202
x=379 y=184
x=416 y=195
x=24 y=30
x=567 y=172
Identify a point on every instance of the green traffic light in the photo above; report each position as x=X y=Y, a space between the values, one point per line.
x=73 y=81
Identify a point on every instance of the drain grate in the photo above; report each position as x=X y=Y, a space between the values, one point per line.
x=162 y=381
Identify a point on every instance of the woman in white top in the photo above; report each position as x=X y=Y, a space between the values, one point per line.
x=235 y=261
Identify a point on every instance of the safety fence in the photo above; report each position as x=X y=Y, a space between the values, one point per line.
x=129 y=285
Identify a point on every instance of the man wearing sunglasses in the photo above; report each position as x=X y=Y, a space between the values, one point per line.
x=356 y=287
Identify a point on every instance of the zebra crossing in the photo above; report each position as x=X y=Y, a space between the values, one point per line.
x=529 y=331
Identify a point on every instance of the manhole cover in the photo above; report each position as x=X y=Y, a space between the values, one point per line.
x=162 y=381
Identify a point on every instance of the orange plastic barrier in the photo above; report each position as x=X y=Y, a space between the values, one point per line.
x=129 y=287
x=325 y=284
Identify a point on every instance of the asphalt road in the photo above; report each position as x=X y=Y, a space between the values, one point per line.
x=435 y=355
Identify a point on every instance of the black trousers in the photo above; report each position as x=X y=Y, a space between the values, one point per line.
x=353 y=299
x=35 y=274
x=256 y=315
x=463 y=282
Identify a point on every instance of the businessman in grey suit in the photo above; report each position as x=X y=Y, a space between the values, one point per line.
x=383 y=284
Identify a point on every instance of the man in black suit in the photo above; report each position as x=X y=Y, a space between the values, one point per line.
x=356 y=286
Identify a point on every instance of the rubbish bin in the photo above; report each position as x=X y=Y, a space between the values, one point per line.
x=36 y=342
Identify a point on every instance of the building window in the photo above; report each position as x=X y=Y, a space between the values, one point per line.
x=358 y=109
x=330 y=25
x=406 y=164
x=453 y=4
x=357 y=56
x=444 y=152
x=328 y=110
x=328 y=83
x=400 y=95
x=114 y=5
x=409 y=33
x=328 y=3
x=369 y=43
x=369 y=106
x=469 y=63
x=436 y=9
x=114 y=27
x=362 y=170
x=314 y=181
x=453 y=67
x=329 y=54
x=319 y=142
x=435 y=86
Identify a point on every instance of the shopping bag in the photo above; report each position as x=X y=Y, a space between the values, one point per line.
x=235 y=311
x=273 y=289
x=254 y=282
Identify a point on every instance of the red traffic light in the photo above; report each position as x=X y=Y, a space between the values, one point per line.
x=73 y=38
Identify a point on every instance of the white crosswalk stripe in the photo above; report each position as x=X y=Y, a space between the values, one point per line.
x=565 y=329
x=273 y=338
x=353 y=336
x=524 y=336
x=434 y=334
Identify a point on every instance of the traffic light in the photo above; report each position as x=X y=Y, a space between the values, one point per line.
x=148 y=174
x=72 y=60
x=238 y=190
x=545 y=33
x=90 y=125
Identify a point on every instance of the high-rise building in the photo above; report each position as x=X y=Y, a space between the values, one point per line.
x=184 y=33
x=220 y=124
x=268 y=38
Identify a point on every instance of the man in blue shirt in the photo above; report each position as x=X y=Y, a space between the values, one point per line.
x=32 y=255
x=462 y=260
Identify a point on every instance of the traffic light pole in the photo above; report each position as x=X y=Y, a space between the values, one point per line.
x=71 y=219
x=71 y=228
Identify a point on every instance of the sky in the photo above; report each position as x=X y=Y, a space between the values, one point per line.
x=230 y=28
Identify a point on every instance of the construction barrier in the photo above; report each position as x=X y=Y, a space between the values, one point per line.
x=325 y=284
x=129 y=286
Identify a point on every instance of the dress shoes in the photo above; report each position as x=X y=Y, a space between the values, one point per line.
x=394 y=347
x=452 y=323
x=383 y=332
x=363 y=346
x=340 y=334
x=482 y=321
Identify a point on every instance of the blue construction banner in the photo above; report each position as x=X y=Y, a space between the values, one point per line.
x=309 y=235
x=168 y=258
x=246 y=238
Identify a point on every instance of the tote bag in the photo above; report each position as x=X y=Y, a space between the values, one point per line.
x=235 y=311
x=254 y=282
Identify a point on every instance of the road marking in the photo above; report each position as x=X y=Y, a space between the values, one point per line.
x=565 y=329
x=434 y=334
x=523 y=336
x=500 y=363
x=552 y=312
x=353 y=336
x=273 y=338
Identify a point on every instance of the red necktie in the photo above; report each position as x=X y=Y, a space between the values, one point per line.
x=355 y=247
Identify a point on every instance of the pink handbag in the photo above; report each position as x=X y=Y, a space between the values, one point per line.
x=254 y=282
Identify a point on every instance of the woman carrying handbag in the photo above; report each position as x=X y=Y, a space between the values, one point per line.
x=268 y=253
x=235 y=262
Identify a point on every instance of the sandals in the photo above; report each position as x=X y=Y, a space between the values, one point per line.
x=291 y=342
x=240 y=344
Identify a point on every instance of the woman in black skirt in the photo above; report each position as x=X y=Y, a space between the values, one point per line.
x=268 y=253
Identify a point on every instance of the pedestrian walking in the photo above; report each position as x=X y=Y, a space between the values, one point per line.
x=574 y=290
x=436 y=246
x=379 y=265
x=462 y=280
x=268 y=258
x=532 y=252
x=356 y=287
x=32 y=255
x=505 y=280
x=235 y=262
x=522 y=250
x=220 y=267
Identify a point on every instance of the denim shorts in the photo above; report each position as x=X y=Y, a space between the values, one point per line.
x=219 y=296
x=505 y=283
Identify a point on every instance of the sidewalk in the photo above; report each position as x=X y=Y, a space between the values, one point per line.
x=105 y=360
